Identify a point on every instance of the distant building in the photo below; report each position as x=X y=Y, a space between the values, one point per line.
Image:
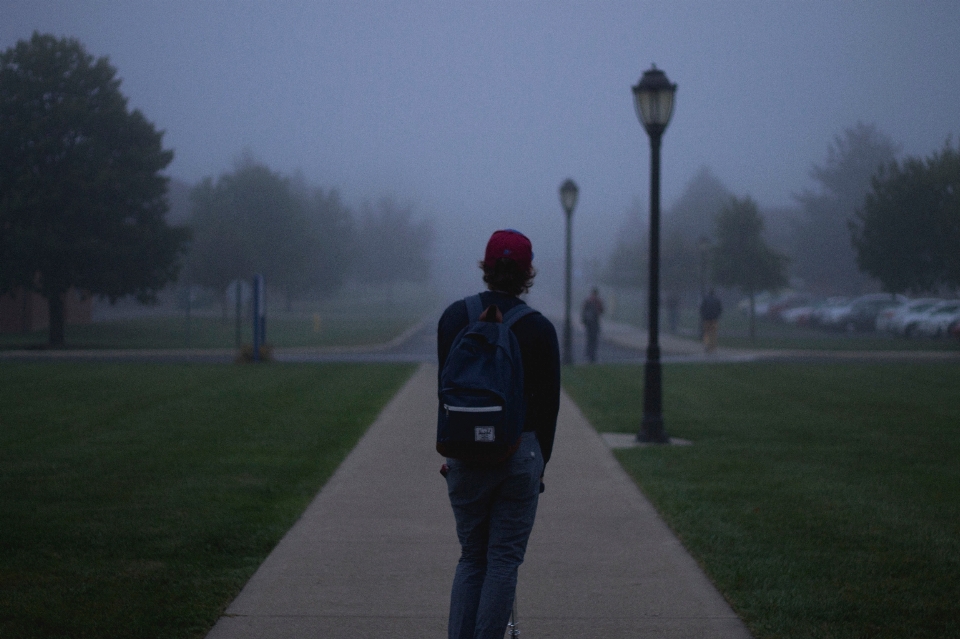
x=23 y=311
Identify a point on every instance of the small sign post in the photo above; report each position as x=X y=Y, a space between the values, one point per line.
x=239 y=304
x=259 y=316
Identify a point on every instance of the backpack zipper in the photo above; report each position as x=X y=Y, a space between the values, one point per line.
x=472 y=409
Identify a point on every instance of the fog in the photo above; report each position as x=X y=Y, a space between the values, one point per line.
x=476 y=112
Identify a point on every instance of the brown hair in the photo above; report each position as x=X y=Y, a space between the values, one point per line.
x=508 y=277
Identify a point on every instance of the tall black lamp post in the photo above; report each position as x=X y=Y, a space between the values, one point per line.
x=653 y=98
x=568 y=199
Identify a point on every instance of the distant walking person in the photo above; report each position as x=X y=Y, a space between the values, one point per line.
x=710 y=311
x=495 y=504
x=590 y=316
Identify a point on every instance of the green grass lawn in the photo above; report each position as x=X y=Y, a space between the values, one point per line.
x=354 y=318
x=211 y=332
x=136 y=500
x=208 y=332
x=822 y=500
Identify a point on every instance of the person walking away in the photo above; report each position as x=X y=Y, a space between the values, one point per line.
x=590 y=314
x=710 y=310
x=495 y=505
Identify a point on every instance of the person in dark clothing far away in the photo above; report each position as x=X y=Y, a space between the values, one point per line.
x=590 y=314
x=495 y=506
x=710 y=311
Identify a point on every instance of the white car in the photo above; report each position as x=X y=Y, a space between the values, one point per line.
x=798 y=315
x=821 y=311
x=907 y=325
x=909 y=312
x=843 y=317
x=884 y=316
x=761 y=302
x=831 y=314
x=937 y=322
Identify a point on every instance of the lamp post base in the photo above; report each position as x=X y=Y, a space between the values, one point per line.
x=652 y=431
x=651 y=428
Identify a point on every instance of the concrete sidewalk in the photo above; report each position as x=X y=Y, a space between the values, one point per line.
x=374 y=553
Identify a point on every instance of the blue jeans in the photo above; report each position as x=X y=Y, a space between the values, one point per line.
x=494 y=508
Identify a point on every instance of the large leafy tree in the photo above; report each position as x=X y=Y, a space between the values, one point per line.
x=684 y=223
x=627 y=264
x=907 y=233
x=693 y=213
x=249 y=221
x=741 y=256
x=392 y=245
x=822 y=252
x=332 y=228
x=82 y=200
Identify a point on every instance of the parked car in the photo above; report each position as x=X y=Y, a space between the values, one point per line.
x=864 y=311
x=884 y=316
x=785 y=303
x=761 y=302
x=907 y=327
x=937 y=322
x=896 y=322
x=828 y=315
x=955 y=329
x=799 y=315
x=861 y=313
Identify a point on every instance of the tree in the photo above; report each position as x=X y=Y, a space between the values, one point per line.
x=692 y=215
x=627 y=264
x=907 y=233
x=740 y=255
x=332 y=230
x=679 y=263
x=392 y=246
x=249 y=221
x=82 y=200
x=822 y=252
x=686 y=222
x=690 y=218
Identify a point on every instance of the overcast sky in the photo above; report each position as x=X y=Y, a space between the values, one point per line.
x=477 y=111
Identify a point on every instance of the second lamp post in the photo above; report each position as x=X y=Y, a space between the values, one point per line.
x=568 y=199
x=653 y=99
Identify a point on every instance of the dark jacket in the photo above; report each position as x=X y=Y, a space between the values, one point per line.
x=710 y=308
x=540 y=351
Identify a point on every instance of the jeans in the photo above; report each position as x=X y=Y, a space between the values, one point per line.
x=494 y=508
x=710 y=335
x=593 y=340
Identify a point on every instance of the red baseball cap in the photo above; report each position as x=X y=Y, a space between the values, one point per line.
x=510 y=244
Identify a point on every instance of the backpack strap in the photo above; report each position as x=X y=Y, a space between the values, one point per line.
x=474 y=307
x=516 y=313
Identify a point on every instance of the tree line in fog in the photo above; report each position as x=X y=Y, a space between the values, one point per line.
x=304 y=240
x=869 y=220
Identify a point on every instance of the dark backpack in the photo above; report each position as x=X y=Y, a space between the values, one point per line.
x=482 y=407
